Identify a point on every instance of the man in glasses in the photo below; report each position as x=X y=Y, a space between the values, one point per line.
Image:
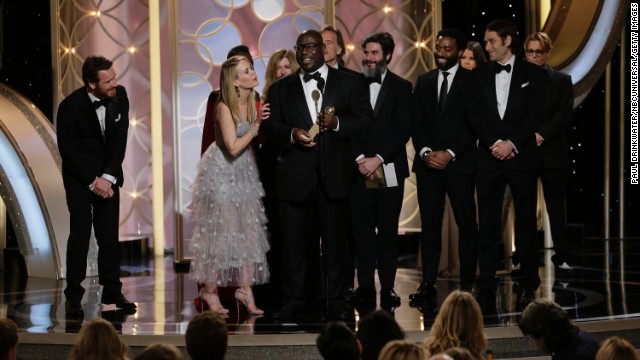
x=314 y=174
x=551 y=139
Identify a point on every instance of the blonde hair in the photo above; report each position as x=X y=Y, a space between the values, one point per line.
x=98 y=340
x=401 y=350
x=458 y=324
x=229 y=93
x=615 y=348
x=274 y=60
x=543 y=38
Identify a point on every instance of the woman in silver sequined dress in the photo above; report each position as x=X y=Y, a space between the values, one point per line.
x=229 y=243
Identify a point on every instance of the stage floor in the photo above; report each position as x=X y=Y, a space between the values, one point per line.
x=604 y=286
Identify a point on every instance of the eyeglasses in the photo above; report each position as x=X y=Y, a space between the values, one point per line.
x=537 y=52
x=306 y=47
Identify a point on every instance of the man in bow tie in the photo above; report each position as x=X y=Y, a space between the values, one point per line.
x=380 y=151
x=314 y=174
x=445 y=163
x=92 y=125
x=506 y=109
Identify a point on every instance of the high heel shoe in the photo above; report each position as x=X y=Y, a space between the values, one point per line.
x=214 y=305
x=248 y=302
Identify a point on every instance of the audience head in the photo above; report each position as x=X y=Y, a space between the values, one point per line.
x=206 y=337
x=459 y=323
x=441 y=356
x=310 y=50
x=333 y=46
x=459 y=353
x=375 y=330
x=501 y=40
x=547 y=324
x=449 y=46
x=240 y=50
x=402 y=350
x=8 y=339
x=98 y=340
x=338 y=342
x=160 y=351
x=473 y=56
x=537 y=48
x=281 y=63
x=378 y=51
x=615 y=348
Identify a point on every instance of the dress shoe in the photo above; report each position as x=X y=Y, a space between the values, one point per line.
x=73 y=308
x=486 y=298
x=287 y=312
x=526 y=297
x=120 y=301
x=365 y=295
x=389 y=298
x=426 y=294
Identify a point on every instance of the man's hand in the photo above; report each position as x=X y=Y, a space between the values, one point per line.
x=102 y=188
x=368 y=165
x=502 y=150
x=539 y=139
x=303 y=138
x=327 y=121
x=265 y=111
x=437 y=159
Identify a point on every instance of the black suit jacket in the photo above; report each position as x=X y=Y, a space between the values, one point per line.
x=554 y=152
x=521 y=119
x=446 y=130
x=390 y=132
x=298 y=167
x=85 y=153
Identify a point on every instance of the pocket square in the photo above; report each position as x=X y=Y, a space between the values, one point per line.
x=524 y=85
x=118 y=118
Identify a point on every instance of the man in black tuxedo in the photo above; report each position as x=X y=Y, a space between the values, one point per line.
x=314 y=175
x=445 y=162
x=506 y=108
x=551 y=139
x=92 y=125
x=380 y=149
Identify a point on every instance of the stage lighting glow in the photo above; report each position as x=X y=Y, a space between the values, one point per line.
x=26 y=198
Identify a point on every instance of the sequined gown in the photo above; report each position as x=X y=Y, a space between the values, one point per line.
x=229 y=243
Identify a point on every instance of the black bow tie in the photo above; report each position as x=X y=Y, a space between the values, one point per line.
x=500 y=67
x=376 y=79
x=317 y=77
x=98 y=103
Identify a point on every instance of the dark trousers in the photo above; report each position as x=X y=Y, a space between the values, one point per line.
x=432 y=189
x=318 y=225
x=490 y=189
x=554 y=186
x=373 y=209
x=86 y=210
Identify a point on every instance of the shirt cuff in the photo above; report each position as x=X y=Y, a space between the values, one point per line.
x=453 y=155
x=425 y=150
x=380 y=157
x=111 y=179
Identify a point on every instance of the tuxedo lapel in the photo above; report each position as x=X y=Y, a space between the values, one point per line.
x=331 y=89
x=296 y=91
x=490 y=90
x=90 y=113
x=517 y=81
x=432 y=93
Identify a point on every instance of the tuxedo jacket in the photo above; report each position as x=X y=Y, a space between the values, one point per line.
x=444 y=130
x=554 y=152
x=85 y=153
x=521 y=119
x=392 y=124
x=330 y=162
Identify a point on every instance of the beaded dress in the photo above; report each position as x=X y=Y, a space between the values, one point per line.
x=229 y=243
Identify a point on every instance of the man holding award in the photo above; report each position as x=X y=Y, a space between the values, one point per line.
x=314 y=174
x=381 y=161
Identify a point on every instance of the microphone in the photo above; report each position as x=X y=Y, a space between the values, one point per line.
x=315 y=95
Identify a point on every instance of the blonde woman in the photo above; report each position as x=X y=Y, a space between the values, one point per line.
x=402 y=350
x=281 y=63
x=229 y=243
x=98 y=340
x=458 y=324
x=615 y=348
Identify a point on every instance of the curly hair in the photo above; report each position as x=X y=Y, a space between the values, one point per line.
x=458 y=324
